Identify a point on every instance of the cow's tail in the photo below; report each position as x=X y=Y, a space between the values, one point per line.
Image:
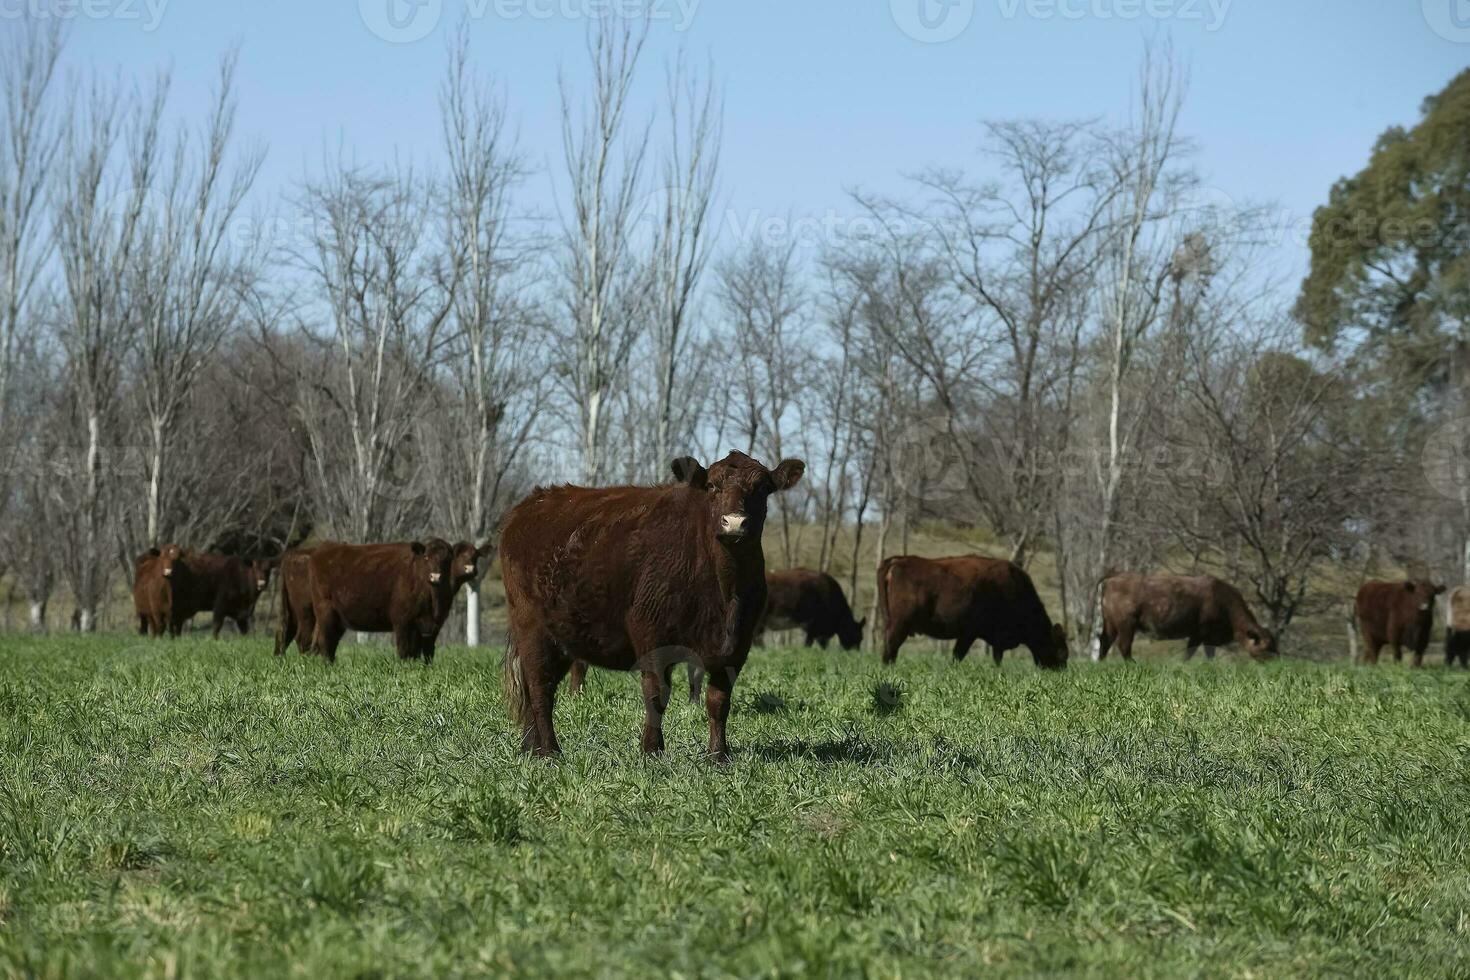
x=885 y=567
x=513 y=681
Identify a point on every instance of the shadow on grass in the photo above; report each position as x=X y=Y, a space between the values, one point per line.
x=827 y=751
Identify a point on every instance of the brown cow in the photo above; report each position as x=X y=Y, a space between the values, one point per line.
x=150 y=593
x=1400 y=614
x=1457 y=628
x=637 y=578
x=298 y=618
x=813 y=602
x=1199 y=609
x=380 y=588
x=225 y=586
x=966 y=598
x=464 y=569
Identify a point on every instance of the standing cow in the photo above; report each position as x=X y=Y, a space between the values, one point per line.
x=966 y=598
x=799 y=598
x=1199 y=609
x=464 y=569
x=403 y=589
x=181 y=584
x=1457 y=628
x=1400 y=614
x=636 y=578
x=150 y=593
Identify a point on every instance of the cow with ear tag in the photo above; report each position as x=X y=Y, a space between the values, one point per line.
x=638 y=579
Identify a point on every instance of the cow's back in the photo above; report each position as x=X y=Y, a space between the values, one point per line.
x=360 y=583
x=592 y=567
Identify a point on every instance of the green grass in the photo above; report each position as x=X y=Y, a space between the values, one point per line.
x=202 y=809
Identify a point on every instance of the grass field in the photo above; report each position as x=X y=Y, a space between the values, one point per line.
x=202 y=809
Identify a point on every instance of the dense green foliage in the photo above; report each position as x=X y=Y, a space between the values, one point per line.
x=201 y=809
x=1391 y=248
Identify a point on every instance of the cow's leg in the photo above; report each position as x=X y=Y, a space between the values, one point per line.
x=717 y=706
x=1398 y=652
x=142 y=624
x=286 y=632
x=329 y=631
x=427 y=646
x=1419 y=655
x=219 y=623
x=576 y=676
x=406 y=642
x=1125 y=641
x=655 y=701
x=544 y=666
x=1104 y=644
x=1209 y=652
x=893 y=639
x=242 y=623
x=962 y=647
x=1190 y=649
x=696 y=680
x=810 y=640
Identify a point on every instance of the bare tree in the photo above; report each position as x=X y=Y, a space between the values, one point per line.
x=1021 y=247
x=681 y=248
x=495 y=357
x=99 y=213
x=385 y=287
x=1139 y=248
x=767 y=314
x=190 y=276
x=29 y=139
x=602 y=287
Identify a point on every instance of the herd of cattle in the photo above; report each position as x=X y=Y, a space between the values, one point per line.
x=644 y=578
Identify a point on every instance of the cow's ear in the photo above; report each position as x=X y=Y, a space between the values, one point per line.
x=788 y=474
x=483 y=551
x=154 y=552
x=688 y=470
x=417 y=547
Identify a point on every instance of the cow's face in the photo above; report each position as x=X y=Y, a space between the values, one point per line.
x=738 y=488
x=171 y=560
x=467 y=562
x=1053 y=655
x=1423 y=594
x=1260 y=643
x=434 y=558
x=852 y=637
x=260 y=574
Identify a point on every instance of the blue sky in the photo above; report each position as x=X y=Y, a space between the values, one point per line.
x=1285 y=95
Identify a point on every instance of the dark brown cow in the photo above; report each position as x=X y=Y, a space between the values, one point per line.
x=464 y=569
x=150 y=593
x=403 y=589
x=637 y=578
x=1199 y=609
x=799 y=598
x=225 y=586
x=298 y=617
x=1457 y=628
x=966 y=598
x=1400 y=614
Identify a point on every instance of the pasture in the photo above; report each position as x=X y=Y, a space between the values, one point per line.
x=202 y=809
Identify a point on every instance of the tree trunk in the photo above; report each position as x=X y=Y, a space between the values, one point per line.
x=472 y=615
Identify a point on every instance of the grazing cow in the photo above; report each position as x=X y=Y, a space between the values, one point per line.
x=813 y=602
x=1199 y=609
x=298 y=617
x=225 y=586
x=150 y=594
x=1457 y=628
x=403 y=589
x=966 y=598
x=1400 y=614
x=637 y=578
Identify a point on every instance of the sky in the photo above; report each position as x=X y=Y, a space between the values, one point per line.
x=820 y=96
